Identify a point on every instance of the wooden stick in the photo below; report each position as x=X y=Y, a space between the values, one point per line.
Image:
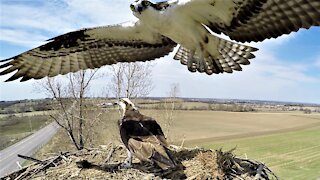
x=30 y=158
x=110 y=154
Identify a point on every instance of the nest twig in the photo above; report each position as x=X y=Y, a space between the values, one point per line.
x=193 y=163
x=235 y=167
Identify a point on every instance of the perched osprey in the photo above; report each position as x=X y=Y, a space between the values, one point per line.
x=143 y=137
x=164 y=25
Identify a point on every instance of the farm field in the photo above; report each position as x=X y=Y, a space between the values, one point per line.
x=207 y=126
x=287 y=141
x=35 y=113
x=291 y=155
x=194 y=127
x=13 y=128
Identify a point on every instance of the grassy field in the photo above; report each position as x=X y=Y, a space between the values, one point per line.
x=197 y=126
x=16 y=127
x=292 y=155
x=206 y=126
x=284 y=140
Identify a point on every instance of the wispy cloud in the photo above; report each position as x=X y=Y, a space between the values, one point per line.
x=56 y=17
x=272 y=66
x=31 y=17
x=101 y=12
x=267 y=78
x=20 y=37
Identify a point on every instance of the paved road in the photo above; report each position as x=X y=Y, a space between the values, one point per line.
x=27 y=146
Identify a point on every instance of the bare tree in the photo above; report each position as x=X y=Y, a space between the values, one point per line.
x=131 y=80
x=69 y=102
x=170 y=105
x=117 y=79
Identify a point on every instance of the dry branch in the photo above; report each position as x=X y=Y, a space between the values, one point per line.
x=29 y=158
x=110 y=153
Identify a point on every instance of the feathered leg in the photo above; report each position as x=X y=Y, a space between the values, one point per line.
x=128 y=162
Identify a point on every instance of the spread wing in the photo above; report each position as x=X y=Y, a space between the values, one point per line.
x=89 y=48
x=253 y=20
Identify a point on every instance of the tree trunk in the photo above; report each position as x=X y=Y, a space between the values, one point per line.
x=71 y=136
x=81 y=143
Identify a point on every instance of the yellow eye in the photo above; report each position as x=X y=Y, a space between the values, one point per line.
x=146 y=3
x=132 y=7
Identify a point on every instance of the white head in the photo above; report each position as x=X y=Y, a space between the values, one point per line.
x=125 y=105
x=139 y=6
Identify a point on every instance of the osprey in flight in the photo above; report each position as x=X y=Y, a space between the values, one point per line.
x=143 y=137
x=164 y=25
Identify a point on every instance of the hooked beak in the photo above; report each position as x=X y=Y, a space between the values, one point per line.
x=136 y=8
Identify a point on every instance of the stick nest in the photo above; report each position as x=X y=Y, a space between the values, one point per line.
x=104 y=163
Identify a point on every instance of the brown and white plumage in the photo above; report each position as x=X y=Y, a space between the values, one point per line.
x=161 y=27
x=143 y=137
x=89 y=48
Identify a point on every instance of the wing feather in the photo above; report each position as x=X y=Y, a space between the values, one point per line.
x=231 y=56
x=89 y=48
x=149 y=151
x=253 y=20
x=277 y=17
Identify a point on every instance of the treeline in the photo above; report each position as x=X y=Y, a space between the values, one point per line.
x=209 y=107
x=26 y=107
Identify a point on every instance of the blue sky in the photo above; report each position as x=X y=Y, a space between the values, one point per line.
x=285 y=69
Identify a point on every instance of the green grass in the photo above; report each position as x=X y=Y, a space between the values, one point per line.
x=15 y=128
x=291 y=155
x=15 y=125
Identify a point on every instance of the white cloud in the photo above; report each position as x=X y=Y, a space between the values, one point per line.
x=267 y=78
x=20 y=37
x=272 y=66
x=57 y=17
x=102 y=12
x=27 y=16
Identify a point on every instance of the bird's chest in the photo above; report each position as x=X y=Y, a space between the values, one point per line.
x=184 y=33
x=177 y=27
x=158 y=22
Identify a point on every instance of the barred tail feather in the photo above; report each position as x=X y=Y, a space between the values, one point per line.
x=230 y=57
